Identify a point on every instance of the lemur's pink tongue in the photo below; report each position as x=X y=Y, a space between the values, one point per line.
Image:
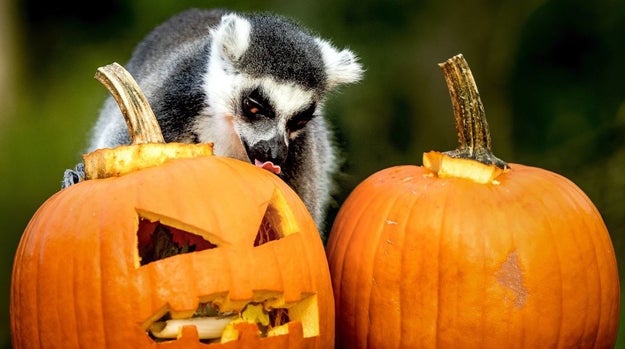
x=267 y=165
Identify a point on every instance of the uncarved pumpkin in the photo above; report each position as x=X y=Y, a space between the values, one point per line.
x=105 y=261
x=470 y=252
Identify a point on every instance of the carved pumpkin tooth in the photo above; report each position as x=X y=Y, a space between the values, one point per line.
x=207 y=327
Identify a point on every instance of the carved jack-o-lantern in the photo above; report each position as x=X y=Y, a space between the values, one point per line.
x=189 y=252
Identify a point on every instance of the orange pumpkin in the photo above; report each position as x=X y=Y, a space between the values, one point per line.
x=117 y=262
x=470 y=252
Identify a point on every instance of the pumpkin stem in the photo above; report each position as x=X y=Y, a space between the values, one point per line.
x=140 y=119
x=148 y=147
x=473 y=133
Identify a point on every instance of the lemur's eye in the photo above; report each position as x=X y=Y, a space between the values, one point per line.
x=251 y=108
x=299 y=120
x=256 y=106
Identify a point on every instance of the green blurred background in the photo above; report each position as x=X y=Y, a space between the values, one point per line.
x=551 y=75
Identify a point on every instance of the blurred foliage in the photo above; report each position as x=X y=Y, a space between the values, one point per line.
x=550 y=74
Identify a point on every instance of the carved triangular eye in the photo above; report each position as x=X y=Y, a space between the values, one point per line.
x=266 y=233
x=277 y=222
x=157 y=241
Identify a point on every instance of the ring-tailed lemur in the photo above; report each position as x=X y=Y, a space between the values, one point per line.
x=254 y=85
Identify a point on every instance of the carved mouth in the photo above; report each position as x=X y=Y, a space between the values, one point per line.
x=216 y=317
x=214 y=326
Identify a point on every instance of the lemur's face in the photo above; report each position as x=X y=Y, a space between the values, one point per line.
x=265 y=84
x=263 y=116
x=270 y=116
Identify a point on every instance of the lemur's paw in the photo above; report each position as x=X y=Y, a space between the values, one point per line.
x=71 y=177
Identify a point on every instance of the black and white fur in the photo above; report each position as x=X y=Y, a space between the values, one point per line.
x=254 y=85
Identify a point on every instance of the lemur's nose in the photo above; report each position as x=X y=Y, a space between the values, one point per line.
x=272 y=151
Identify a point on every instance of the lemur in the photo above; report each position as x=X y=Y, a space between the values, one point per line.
x=253 y=84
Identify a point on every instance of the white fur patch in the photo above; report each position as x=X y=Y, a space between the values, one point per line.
x=231 y=37
x=287 y=98
x=219 y=129
x=342 y=67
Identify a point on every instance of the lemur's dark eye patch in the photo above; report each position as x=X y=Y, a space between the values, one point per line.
x=299 y=120
x=255 y=105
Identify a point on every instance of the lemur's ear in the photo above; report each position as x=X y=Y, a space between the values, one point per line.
x=232 y=36
x=342 y=67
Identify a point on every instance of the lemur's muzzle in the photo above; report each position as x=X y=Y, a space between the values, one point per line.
x=269 y=154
